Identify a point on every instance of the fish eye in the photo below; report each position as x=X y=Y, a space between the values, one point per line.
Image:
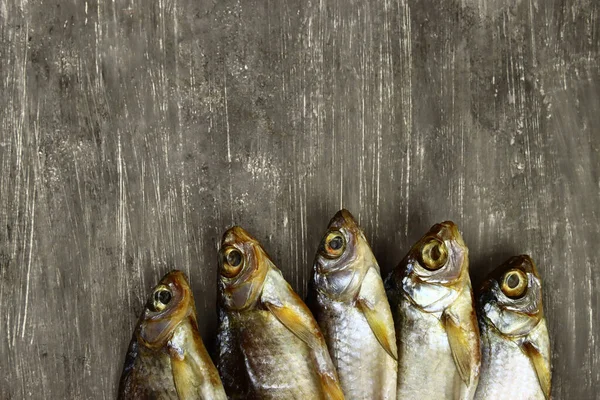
x=232 y=261
x=333 y=245
x=514 y=283
x=434 y=254
x=161 y=298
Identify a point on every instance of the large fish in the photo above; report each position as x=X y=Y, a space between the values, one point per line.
x=432 y=303
x=353 y=312
x=514 y=338
x=270 y=346
x=166 y=358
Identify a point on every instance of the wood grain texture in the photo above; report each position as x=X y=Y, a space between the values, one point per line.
x=133 y=133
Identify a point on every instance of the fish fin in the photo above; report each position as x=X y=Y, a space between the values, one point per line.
x=279 y=298
x=331 y=387
x=309 y=334
x=459 y=345
x=184 y=369
x=185 y=377
x=191 y=382
x=296 y=324
x=194 y=375
x=541 y=366
x=372 y=302
x=379 y=327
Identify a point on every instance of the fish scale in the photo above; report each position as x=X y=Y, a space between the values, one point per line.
x=426 y=366
x=355 y=350
x=278 y=346
x=508 y=366
x=145 y=368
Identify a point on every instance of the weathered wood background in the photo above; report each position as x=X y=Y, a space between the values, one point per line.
x=133 y=133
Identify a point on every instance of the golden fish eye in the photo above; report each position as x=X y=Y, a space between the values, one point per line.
x=333 y=245
x=161 y=298
x=434 y=254
x=514 y=283
x=232 y=262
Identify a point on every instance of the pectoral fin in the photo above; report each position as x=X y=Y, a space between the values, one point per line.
x=312 y=337
x=194 y=375
x=185 y=371
x=185 y=377
x=331 y=387
x=294 y=322
x=542 y=369
x=459 y=345
x=373 y=303
x=381 y=328
x=286 y=306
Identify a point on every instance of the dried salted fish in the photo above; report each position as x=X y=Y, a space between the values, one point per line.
x=432 y=302
x=352 y=310
x=166 y=357
x=514 y=337
x=270 y=346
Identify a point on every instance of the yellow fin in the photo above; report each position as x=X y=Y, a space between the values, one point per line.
x=193 y=383
x=542 y=369
x=310 y=335
x=459 y=345
x=380 y=328
x=286 y=306
x=295 y=323
x=373 y=303
x=331 y=387
x=194 y=374
x=185 y=378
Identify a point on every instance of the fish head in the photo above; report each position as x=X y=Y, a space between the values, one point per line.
x=432 y=273
x=170 y=302
x=511 y=297
x=343 y=258
x=243 y=266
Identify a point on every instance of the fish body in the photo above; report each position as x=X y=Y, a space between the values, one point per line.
x=166 y=358
x=353 y=312
x=514 y=336
x=270 y=346
x=432 y=303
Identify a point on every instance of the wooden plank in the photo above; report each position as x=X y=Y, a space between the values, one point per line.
x=133 y=133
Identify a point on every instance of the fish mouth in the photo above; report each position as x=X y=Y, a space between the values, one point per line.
x=236 y=235
x=343 y=219
x=177 y=278
x=447 y=230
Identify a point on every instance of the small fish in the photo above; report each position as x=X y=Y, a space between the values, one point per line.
x=436 y=328
x=270 y=346
x=353 y=312
x=166 y=358
x=514 y=337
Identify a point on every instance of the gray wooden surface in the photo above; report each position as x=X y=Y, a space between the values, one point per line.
x=133 y=133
